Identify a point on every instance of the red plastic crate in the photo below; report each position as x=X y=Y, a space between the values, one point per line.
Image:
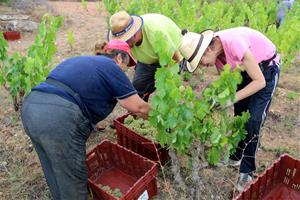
x=112 y=165
x=12 y=35
x=138 y=143
x=281 y=181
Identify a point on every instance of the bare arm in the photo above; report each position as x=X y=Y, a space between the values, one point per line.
x=258 y=80
x=136 y=105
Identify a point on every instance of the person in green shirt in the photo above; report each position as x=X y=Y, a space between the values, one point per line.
x=140 y=32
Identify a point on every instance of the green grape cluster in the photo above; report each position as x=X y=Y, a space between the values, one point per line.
x=141 y=126
x=116 y=192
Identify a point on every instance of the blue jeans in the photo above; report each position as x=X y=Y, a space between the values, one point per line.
x=257 y=105
x=58 y=131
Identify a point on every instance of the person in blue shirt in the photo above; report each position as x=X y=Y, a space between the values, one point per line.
x=60 y=113
x=283 y=8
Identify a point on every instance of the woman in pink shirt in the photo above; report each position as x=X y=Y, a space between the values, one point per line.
x=256 y=56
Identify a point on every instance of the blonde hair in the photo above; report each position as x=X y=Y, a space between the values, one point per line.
x=100 y=48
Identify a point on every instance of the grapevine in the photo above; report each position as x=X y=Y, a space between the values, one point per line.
x=20 y=73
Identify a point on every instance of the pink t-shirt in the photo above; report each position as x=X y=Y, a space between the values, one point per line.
x=236 y=41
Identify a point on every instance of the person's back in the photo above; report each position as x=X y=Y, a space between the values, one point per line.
x=82 y=72
x=141 y=33
x=92 y=78
x=237 y=40
x=153 y=24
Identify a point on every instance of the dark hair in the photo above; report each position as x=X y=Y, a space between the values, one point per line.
x=114 y=53
x=184 y=31
x=212 y=42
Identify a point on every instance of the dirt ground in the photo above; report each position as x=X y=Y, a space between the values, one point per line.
x=21 y=176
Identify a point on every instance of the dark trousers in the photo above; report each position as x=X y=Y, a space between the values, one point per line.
x=143 y=80
x=58 y=131
x=258 y=105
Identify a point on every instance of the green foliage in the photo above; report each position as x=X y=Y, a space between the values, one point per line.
x=181 y=118
x=15 y=71
x=281 y=150
x=193 y=83
x=287 y=37
x=198 y=15
x=3 y=56
x=292 y=95
x=112 y=6
x=70 y=38
x=175 y=107
x=84 y=5
x=4 y=1
x=3 y=47
x=20 y=73
x=289 y=123
x=186 y=76
x=141 y=126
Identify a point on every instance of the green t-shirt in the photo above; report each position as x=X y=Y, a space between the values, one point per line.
x=154 y=23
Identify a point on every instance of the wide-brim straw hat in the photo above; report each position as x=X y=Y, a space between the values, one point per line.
x=193 y=47
x=123 y=26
